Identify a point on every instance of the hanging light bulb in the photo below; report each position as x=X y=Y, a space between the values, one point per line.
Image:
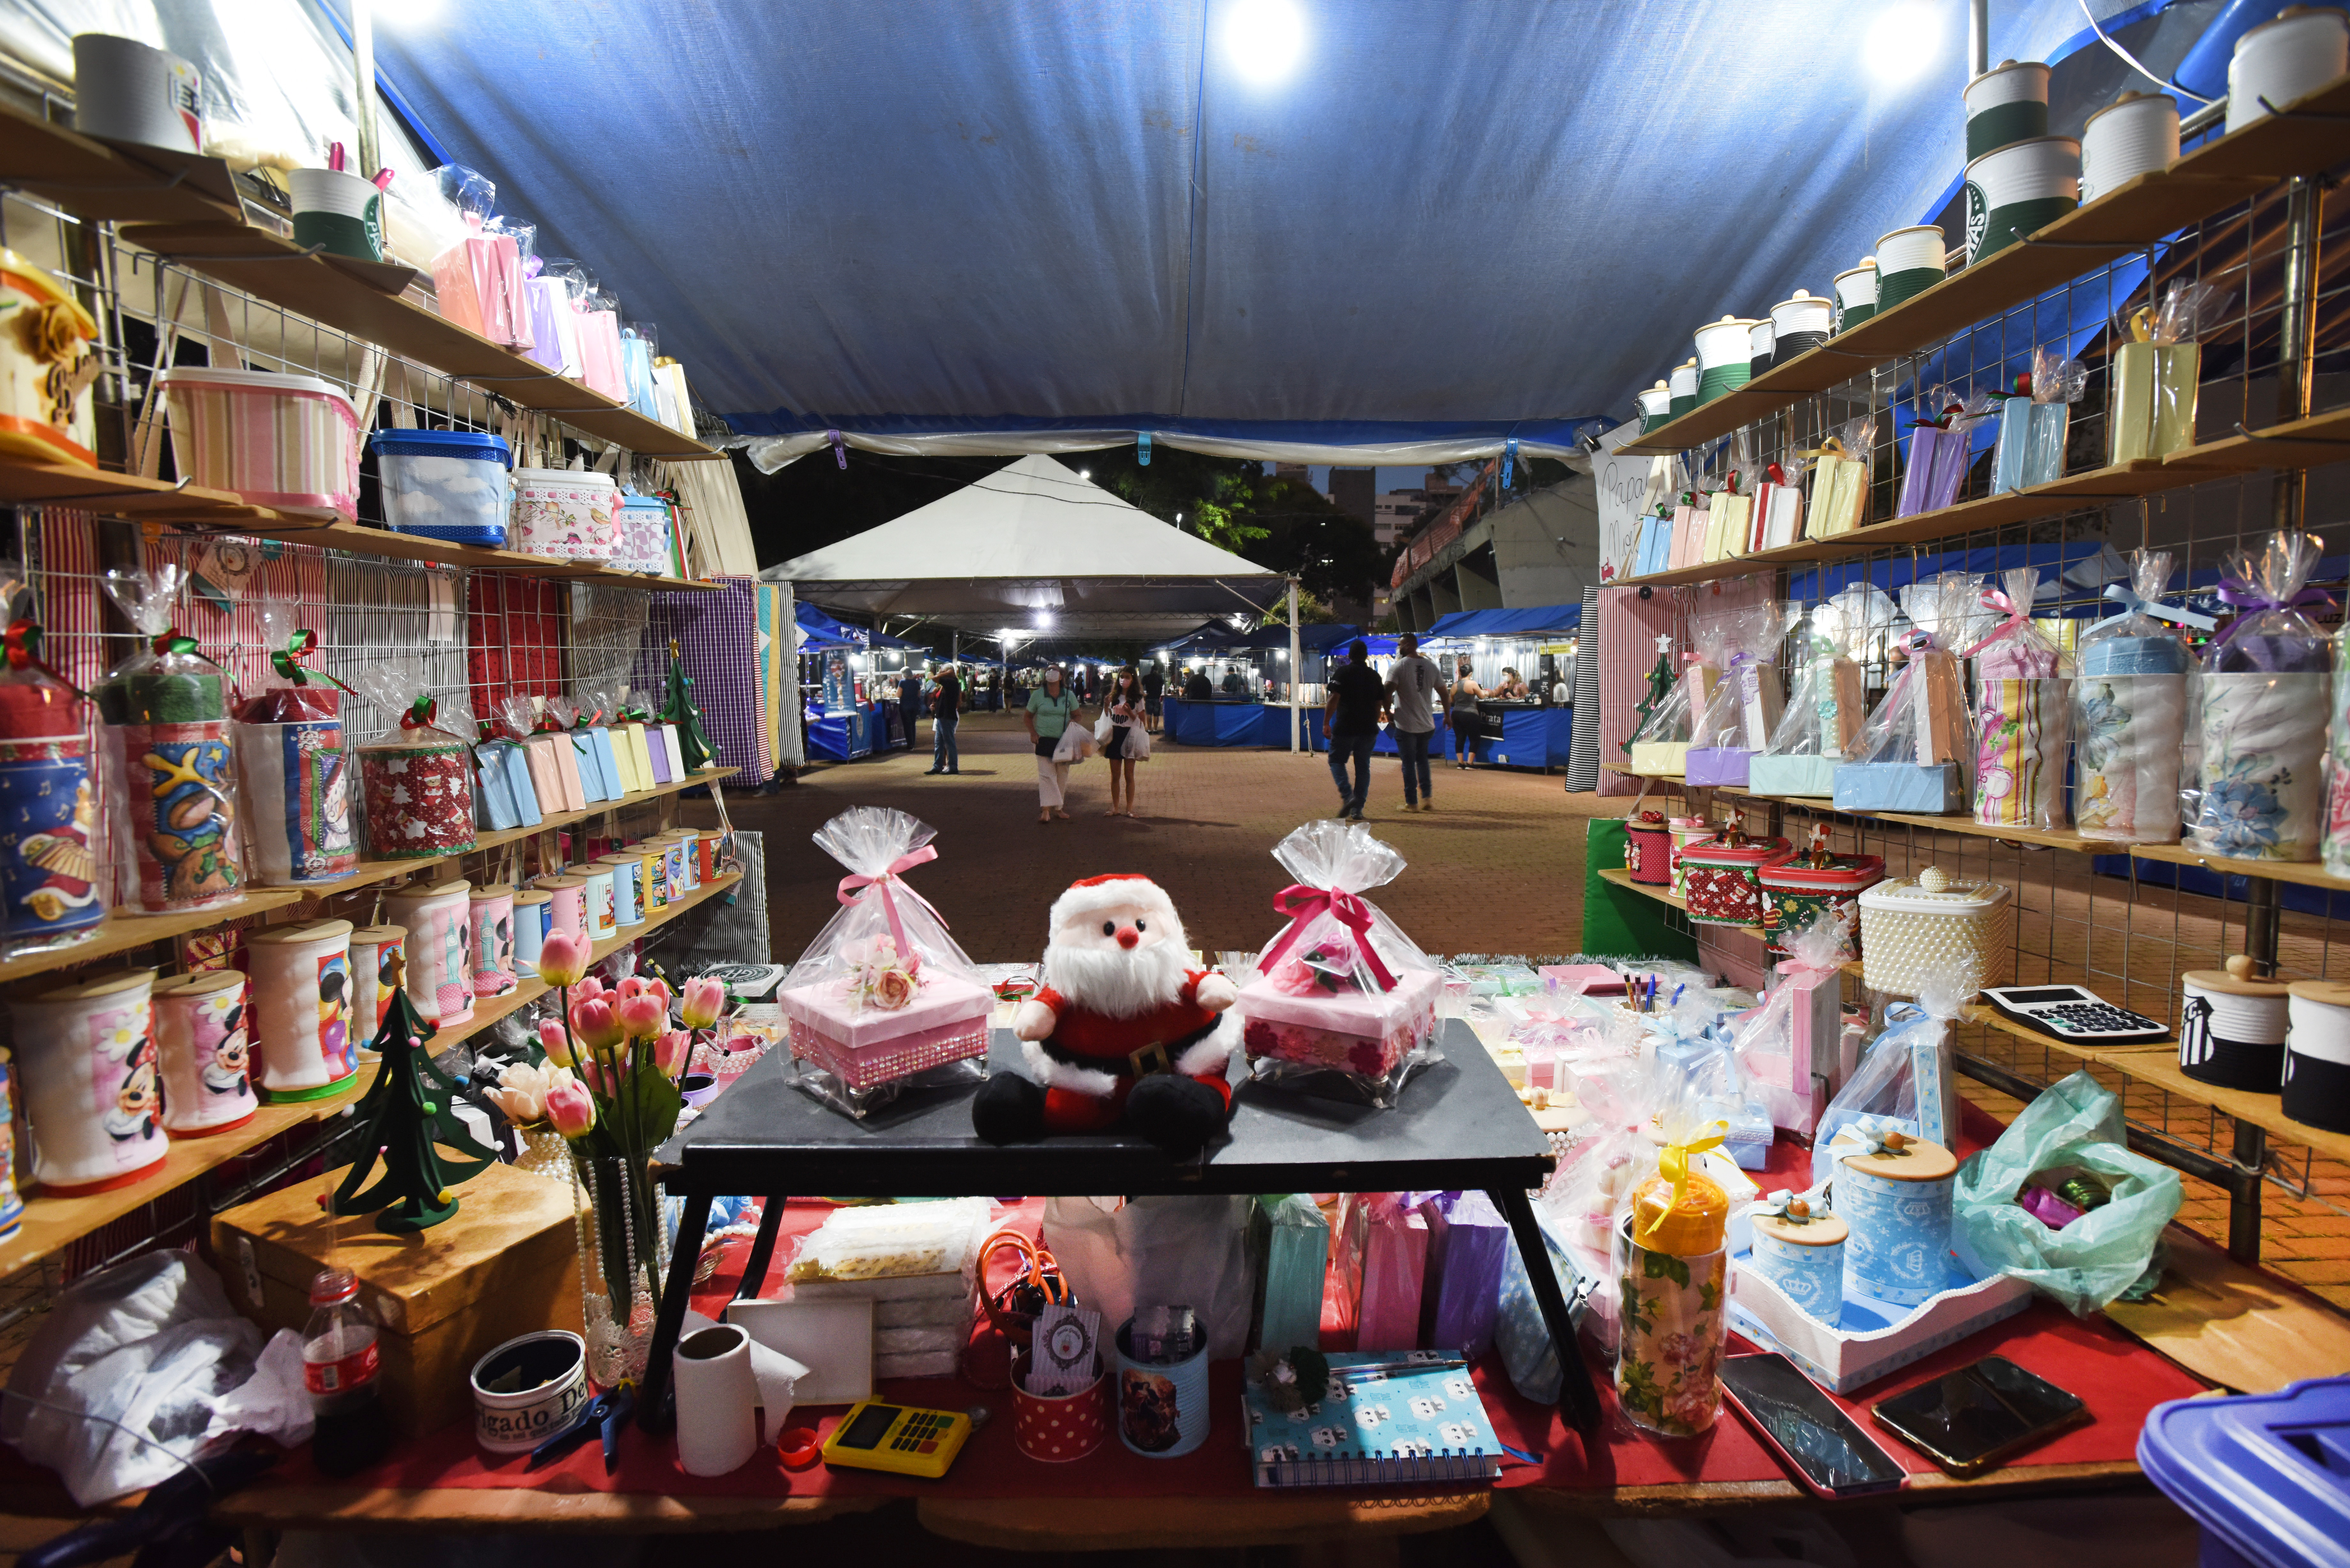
x=1902 y=42
x=1263 y=38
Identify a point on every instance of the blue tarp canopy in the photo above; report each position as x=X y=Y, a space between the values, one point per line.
x=825 y=631
x=1058 y=223
x=1531 y=621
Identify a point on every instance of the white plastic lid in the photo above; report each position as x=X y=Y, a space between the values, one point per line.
x=1934 y=891
x=261 y=380
x=586 y=476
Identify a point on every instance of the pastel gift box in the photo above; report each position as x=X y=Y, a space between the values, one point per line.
x=1364 y=1032
x=1718 y=765
x=1747 y=1135
x=1468 y=1245
x=595 y=780
x=1933 y=789
x=1689 y=536
x=617 y=774
x=1291 y=1241
x=1778 y=516
x=1840 y=490
x=519 y=783
x=1395 y=1277
x=664 y=772
x=675 y=753
x=639 y=768
x=1661 y=759
x=1768 y=774
x=501 y=806
x=946 y=1022
x=1938 y=463
x=545 y=779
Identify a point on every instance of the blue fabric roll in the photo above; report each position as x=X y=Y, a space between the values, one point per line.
x=2134 y=656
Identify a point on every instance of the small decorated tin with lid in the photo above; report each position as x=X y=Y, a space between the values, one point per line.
x=1719 y=876
x=1798 y=890
x=1799 y=1247
x=1894 y=1193
x=1649 y=848
x=2232 y=1025
x=1936 y=928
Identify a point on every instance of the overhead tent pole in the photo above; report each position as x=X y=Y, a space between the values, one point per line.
x=1979 y=36
x=363 y=91
x=1296 y=664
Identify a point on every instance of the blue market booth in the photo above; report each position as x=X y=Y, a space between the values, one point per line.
x=1538 y=642
x=852 y=709
x=1237 y=722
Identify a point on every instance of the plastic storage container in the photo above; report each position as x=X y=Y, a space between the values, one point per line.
x=644 y=535
x=1937 y=928
x=1720 y=874
x=570 y=514
x=450 y=485
x=291 y=442
x=2264 y=1474
x=1798 y=891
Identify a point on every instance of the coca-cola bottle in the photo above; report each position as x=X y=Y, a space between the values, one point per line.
x=342 y=1368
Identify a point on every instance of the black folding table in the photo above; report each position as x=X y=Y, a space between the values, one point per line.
x=1457 y=1125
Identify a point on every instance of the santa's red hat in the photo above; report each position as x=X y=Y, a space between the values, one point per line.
x=1115 y=889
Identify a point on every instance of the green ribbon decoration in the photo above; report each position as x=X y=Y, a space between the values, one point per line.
x=287 y=661
x=421 y=714
x=172 y=641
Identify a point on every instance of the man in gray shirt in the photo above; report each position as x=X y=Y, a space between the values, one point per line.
x=1416 y=693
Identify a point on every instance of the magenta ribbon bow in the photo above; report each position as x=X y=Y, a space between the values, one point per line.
x=853 y=884
x=2017 y=616
x=2251 y=601
x=1302 y=904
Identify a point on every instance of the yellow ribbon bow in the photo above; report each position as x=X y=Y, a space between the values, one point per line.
x=1673 y=1165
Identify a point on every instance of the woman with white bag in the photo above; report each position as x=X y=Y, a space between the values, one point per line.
x=1056 y=740
x=1125 y=739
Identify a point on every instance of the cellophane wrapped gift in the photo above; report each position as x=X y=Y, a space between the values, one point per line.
x=1661 y=744
x=883 y=997
x=507 y=796
x=2158 y=367
x=293 y=765
x=2255 y=791
x=478 y=280
x=2023 y=693
x=1839 y=480
x=1596 y=1180
x=1917 y=750
x=171 y=793
x=416 y=771
x=2129 y=712
x=2033 y=423
x=1941 y=449
x=1788 y=1047
x=1343 y=1002
x=1745 y=706
x=1907 y=1077
x=54 y=889
x=1823 y=715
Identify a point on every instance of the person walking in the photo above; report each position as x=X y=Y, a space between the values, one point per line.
x=1127 y=745
x=1465 y=692
x=1416 y=696
x=946 y=710
x=1154 y=687
x=1351 y=721
x=1052 y=707
x=910 y=704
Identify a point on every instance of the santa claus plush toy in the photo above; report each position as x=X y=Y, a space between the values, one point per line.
x=1126 y=1029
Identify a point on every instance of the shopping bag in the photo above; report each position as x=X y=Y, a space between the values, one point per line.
x=1120 y=1253
x=1076 y=745
x=1289 y=1248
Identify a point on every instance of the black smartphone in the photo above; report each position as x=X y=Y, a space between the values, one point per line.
x=1969 y=1420
x=1808 y=1431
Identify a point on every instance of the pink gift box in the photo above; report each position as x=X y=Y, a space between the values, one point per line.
x=946 y=1022
x=1395 y=1276
x=1364 y=1032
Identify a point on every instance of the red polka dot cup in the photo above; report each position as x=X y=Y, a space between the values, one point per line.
x=1053 y=1428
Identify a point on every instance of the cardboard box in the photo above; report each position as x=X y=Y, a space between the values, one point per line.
x=1899 y=786
x=506 y=1263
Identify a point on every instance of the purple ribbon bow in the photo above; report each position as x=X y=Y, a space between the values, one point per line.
x=2251 y=601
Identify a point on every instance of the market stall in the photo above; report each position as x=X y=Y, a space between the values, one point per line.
x=1249 y=679
x=1533 y=649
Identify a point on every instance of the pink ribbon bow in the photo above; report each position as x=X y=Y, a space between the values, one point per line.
x=2017 y=616
x=854 y=884
x=1302 y=904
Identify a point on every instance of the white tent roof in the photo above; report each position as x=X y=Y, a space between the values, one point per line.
x=1032 y=547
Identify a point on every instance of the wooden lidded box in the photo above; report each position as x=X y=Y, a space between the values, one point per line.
x=507 y=1263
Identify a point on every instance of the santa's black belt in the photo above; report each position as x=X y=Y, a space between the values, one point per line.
x=1140 y=1064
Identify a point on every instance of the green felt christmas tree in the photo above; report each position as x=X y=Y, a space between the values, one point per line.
x=677 y=708
x=1660 y=680
x=406 y=1117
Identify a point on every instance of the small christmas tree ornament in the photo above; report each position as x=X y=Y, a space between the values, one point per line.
x=1660 y=680
x=409 y=1113
x=677 y=708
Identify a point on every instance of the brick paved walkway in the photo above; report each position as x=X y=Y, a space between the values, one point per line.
x=1497 y=867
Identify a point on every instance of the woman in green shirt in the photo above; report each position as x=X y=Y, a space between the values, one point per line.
x=1052 y=708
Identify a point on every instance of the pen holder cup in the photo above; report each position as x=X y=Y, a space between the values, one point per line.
x=1053 y=1428
x=1162 y=1408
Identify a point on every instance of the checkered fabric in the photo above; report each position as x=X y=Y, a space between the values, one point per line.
x=718 y=635
x=1583 y=748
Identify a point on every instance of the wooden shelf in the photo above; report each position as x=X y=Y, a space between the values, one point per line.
x=1615 y=876
x=2299 y=443
x=2263 y=1111
x=353 y=297
x=101 y=179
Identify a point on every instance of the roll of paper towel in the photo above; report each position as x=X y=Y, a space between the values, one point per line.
x=721 y=1377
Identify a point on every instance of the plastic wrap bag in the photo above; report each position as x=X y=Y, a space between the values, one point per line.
x=54 y=883
x=1905 y=1080
x=292 y=764
x=2256 y=792
x=416 y=769
x=2129 y=711
x=2156 y=367
x=884 y=997
x=1121 y=1253
x=1745 y=706
x=1529 y=1353
x=141 y=1368
x=2033 y=424
x=478 y=280
x=1941 y=449
x=1787 y=1048
x=1922 y=717
x=2023 y=685
x=2076 y=1126
x=1839 y=477
x=1343 y=1002
x=1671 y=1252
x=171 y=783
x=1595 y=1180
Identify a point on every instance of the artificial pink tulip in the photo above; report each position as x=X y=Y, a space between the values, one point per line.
x=704 y=1001
x=556 y=1040
x=561 y=960
x=588 y=990
x=642 y=1017
x=632 y=986
x=571 y=1108
x=671 y=1052
x=594 y=1024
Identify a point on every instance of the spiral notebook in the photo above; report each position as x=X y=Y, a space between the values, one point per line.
x=1390 y=1418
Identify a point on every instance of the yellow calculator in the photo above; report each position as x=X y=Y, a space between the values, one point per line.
x=901 y=1438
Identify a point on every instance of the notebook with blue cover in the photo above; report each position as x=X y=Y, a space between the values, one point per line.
x=1408 y=1424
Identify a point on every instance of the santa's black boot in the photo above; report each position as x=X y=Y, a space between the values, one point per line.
x=1180 y=1115
x=1008 y=1108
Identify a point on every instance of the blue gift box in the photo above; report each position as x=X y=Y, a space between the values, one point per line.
x=592 y=782
x=1767 y=774
x=1931 y=788
x=495 y=795
x=515 y=760
x=601 y=739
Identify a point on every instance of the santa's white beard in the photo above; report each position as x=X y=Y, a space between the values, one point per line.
x=1118 y=982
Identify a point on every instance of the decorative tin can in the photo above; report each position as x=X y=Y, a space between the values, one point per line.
x=302 y=1008
x=86 y=1054
x=1799 y=324
x=697 y=856
x=47 y=368
x=2137 y=134
x=549 y=1369
x=2006 y=104
x=1720 y=875
x=1724 y=357
x=52 y=889
x=1762 y=341
x=12 y=1202
x=297 y=799
x=440 y=967
x=1686 y=831
x=2233 y=1026
x=2018 y=190
x=177 y=796
x=2277 y=62
x=1897 y=1202
x=420 y=798
x=567 y=906
x=532 y=908
x=1053 y=1428
x=663 y=856
x=2317 y=1055
x=1162 y=1408
x=1797 y=891
x=627 y=873
x=1649 y=849
x=1683 y=387
x=204 y=1039
x=375 y=953
x=1936 y=928
x=1908 y=263
x=1672 y=1267
x=127 y=91
x=1803 y=1254
x=603 y=912
x=493 y=942
x=1656 y=404
x=1855 y=293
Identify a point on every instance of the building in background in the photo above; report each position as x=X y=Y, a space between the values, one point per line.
x=1296 y=471
x=1540 y=548
x=1397 y=514
x=1352 y=490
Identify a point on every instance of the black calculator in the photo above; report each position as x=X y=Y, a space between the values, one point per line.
x=2074 y=1014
